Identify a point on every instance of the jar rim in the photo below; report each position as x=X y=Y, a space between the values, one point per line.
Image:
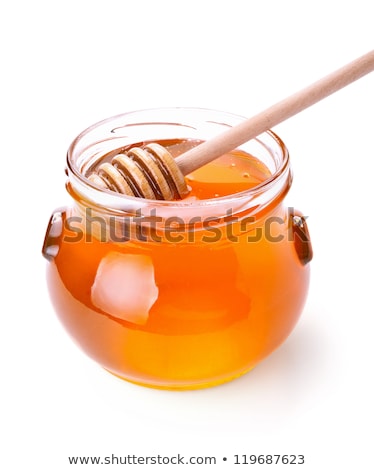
x=117 y=201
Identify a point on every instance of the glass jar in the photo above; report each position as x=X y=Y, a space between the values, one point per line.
x=177 y=294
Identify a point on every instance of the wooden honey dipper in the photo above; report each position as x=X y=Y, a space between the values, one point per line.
x=151 y=172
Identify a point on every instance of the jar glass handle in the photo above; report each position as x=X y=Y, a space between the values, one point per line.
x=301 y=237
x=52 y=239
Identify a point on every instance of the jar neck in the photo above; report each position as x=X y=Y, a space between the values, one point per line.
x=222 y=223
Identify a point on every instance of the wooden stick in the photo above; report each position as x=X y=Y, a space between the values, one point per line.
x=279 y=112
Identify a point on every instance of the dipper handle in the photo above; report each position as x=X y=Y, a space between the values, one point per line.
x=275 y=114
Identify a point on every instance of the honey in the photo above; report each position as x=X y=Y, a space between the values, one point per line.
x=203 y=291
x=232 y=173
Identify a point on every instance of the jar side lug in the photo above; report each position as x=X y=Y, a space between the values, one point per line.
x=300 y=237
x=53 y=234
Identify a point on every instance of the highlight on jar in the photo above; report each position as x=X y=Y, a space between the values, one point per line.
x=177 y=264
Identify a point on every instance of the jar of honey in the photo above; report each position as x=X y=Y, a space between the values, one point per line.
x=179 y=294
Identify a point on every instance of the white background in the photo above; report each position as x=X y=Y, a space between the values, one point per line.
x=66 y=65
